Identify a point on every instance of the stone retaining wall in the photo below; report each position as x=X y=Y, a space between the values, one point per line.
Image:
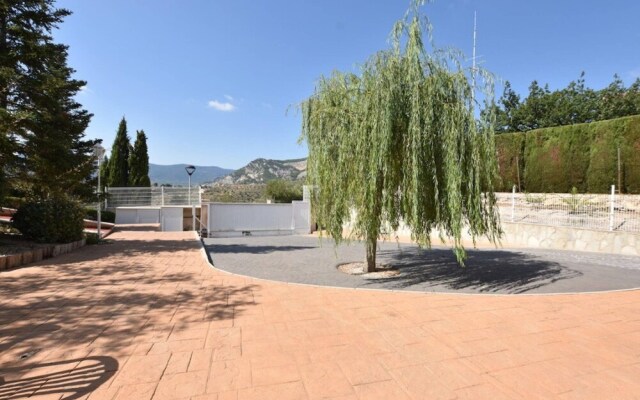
x=38 y=254
x=555 y=237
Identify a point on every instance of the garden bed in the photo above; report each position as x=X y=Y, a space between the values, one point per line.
x=16 y=251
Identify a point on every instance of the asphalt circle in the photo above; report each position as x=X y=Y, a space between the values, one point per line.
x=310 y=260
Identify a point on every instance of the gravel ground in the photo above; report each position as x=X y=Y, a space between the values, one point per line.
x=306 y=259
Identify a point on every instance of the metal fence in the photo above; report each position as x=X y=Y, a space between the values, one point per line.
x=152 y=196
x=606 y=212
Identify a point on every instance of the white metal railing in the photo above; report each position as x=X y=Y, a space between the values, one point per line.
x=152 y=196
x=606 y=212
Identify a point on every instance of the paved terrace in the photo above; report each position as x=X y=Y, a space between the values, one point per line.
x=146 y=317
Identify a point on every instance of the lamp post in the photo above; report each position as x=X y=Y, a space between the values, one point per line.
x=99 y=153
x=190 y=170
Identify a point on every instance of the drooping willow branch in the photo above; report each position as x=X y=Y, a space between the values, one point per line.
x=400 y=143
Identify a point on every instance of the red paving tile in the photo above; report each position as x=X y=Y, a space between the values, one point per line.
x=146 y=317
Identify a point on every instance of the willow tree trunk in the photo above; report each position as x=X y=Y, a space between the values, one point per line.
x=370 y=264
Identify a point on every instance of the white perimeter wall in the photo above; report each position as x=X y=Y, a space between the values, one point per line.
x=138 y=215
x=228 y=219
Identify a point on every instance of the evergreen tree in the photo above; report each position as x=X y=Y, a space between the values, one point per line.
x=508 y=117
x=104 y=173
x=614 y=100
x=41 y=125
x=139 y=162
x=119 y=161
x=399 y=142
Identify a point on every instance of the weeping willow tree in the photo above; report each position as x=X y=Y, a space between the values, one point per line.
x=399 y=143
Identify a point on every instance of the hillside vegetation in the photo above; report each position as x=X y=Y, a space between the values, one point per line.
x=262 y=170
x=584 y=156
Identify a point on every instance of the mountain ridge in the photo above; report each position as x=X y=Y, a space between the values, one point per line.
x=175 y=174
x=262 y=170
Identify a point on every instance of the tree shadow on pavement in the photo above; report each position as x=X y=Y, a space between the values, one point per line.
x=111 y=298
x=484 y=271
x=65 y=380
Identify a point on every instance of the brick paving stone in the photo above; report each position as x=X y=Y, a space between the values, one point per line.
x=146 y=317
x=182 y=385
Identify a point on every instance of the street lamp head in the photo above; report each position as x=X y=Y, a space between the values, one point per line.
x=190 y=169
x=98 y=151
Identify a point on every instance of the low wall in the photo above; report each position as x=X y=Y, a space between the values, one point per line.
x=564 y=238
x=37 y=254
x=554 y=237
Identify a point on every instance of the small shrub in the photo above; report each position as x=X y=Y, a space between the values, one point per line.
x=53 y=220
x=576 y=202
x=92 y=238
x=105 y=216
x=281 y=191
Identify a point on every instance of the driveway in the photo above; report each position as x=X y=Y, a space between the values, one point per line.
x=306 y=259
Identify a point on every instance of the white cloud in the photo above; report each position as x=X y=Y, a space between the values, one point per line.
x=85 y=90
x=224 y=107
x=635 y=73
x=226 y=96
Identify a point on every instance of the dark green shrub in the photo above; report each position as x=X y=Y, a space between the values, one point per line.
x=105 y=216
x=584 y=156
x=510 y=156
x=12 y=202
x=281 y=191
x=557 y=159
x=91 y=238
x=54 y=220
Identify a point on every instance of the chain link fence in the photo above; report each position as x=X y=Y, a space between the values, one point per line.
x=605 y=212
x=152 y=196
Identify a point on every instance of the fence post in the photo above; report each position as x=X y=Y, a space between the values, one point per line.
x=513 y=203
x=106 y=191
x=162 y=195
x=611 y=206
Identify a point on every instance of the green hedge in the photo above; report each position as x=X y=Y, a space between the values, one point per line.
x=583 y=156
x=510 y=155
x=54 y=220
x=105 y=216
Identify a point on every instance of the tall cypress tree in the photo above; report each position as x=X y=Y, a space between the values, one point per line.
x=119 y=161
x=104 y=173
x=139 y=162
x=42 y=146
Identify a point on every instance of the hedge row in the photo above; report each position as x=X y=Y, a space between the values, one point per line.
x=585 y=156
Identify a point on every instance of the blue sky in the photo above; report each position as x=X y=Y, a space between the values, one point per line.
x=211 y=81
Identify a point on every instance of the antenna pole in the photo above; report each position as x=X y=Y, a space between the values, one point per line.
x=473 y=60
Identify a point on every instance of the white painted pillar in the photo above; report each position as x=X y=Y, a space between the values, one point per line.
x=513 y=203
x=612 y=206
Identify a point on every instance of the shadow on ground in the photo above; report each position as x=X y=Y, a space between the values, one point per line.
x=65 y=380
x=484 y=271
x=109 y=298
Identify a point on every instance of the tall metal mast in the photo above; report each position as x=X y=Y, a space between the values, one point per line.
x=473 y=60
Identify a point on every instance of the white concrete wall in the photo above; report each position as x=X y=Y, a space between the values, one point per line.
x=138 y=215
x=232 y=219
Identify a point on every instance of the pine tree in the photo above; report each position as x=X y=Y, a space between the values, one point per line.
x=41 y=125
x=399 y=142
x=139 y=162
x=119 y=161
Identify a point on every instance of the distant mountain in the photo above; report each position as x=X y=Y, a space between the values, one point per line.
x=262 y=170
x=176 y=174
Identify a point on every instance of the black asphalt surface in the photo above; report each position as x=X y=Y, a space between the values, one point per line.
x=309 y=260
